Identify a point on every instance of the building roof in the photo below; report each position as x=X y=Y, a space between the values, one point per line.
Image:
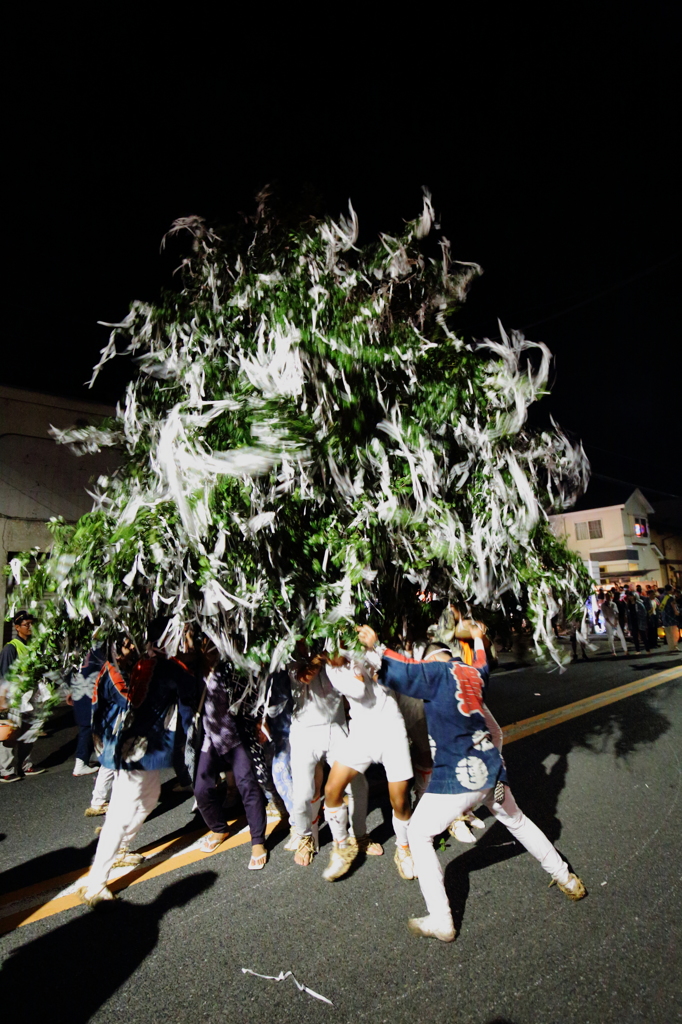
x=603 y=492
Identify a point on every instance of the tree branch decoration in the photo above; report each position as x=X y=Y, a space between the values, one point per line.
x=308 y=444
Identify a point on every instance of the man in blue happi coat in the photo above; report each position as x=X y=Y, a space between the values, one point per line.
x=468 y=769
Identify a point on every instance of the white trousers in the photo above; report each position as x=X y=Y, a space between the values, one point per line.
x=310 y=745
x=612 y=631
x=134 y=796
x=433 y=814
x=104 y=780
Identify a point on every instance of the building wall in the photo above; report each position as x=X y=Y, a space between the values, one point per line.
x=39 y=478
x=619 y=550
x=670 y=547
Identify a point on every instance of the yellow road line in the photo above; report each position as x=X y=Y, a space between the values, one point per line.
x=513 y=732
x=529 y=726
x=60 y=903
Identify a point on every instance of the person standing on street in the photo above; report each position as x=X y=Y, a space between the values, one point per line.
x=609 y=613
x=135 y=714
x=468 y=769
x=15 y=761
x=669 y=615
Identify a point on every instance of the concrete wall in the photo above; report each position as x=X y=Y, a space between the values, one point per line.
x=39 y=478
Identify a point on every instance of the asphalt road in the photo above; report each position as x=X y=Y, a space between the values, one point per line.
x=604 y=786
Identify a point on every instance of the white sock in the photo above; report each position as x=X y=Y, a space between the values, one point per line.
x=400 y=829
x=337 y=817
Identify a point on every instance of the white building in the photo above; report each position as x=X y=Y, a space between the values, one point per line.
x=611 y=529
x=39 y=478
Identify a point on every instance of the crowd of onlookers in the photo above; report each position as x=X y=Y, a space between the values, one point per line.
x=643 y=615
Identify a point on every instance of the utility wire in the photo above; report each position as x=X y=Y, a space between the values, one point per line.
x=606 y=291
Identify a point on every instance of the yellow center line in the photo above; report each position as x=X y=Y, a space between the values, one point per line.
x=513 y=732
x=134 y=877
x=548 y=719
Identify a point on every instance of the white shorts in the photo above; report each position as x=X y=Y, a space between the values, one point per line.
x=383 y=741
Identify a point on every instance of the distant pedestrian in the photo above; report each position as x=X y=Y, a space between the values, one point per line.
x=609 y=611
x=15 y=763
x=669 y=614
x=637 y=621
x=653 y=622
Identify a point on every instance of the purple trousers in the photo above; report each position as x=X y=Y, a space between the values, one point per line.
x=210 y=803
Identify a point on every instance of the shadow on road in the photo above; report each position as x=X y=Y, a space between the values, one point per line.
x=537 y=768
x=68 y=974
x=48 y=865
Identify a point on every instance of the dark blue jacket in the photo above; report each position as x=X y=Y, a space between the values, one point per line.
x=135 y=715
x=465 y=758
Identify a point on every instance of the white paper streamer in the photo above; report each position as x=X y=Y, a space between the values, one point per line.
x=282 y=976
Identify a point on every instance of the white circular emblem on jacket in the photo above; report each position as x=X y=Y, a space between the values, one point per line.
x=471 y=773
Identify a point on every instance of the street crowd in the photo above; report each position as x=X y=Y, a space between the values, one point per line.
x=301 y=749
x=638 y=615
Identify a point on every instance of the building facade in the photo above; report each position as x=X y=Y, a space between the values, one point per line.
x=39 y=478
x=621 y=540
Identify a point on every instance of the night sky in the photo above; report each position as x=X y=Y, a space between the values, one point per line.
x=551 y=151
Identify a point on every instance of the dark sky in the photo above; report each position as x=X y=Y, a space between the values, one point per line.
x=550 y=147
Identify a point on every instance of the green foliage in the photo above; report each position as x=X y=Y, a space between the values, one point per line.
x=308 y=444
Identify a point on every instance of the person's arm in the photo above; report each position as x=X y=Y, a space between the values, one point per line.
x=405 y=675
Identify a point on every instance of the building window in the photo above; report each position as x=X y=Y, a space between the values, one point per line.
x=595 y=529
x=581 y=531
x=641 y=527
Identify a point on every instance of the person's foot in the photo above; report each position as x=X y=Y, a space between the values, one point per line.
x=28 y=771
x=574 y=887
x=404 y=863
x=367 y=846
x=81 y=768
x=126 y=859
x=430 y=928
x=292 y=842
x=179 y=788
x=211 y=841
x=95 y=810
x=91 y=897
x=340 y=862
x=11 y=777
x=305 y=851
x=259 y=857
x=459 y=830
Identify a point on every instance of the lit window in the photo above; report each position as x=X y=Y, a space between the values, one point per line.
x=595 y=529
x=641 y=528
x=581 y=531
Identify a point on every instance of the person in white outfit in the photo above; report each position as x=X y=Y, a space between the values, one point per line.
x=134 y=721
x=318 y=730
x=468 y=769
x=609 y=612
x=377 y=736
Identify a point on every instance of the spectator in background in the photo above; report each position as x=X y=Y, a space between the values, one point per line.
x=651 y=605
x=609 y=611
x=15 y=761
x=637 y=621
x=669 y=615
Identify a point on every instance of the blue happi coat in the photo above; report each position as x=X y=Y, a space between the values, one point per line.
x=135 y=714
x=465 y=758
